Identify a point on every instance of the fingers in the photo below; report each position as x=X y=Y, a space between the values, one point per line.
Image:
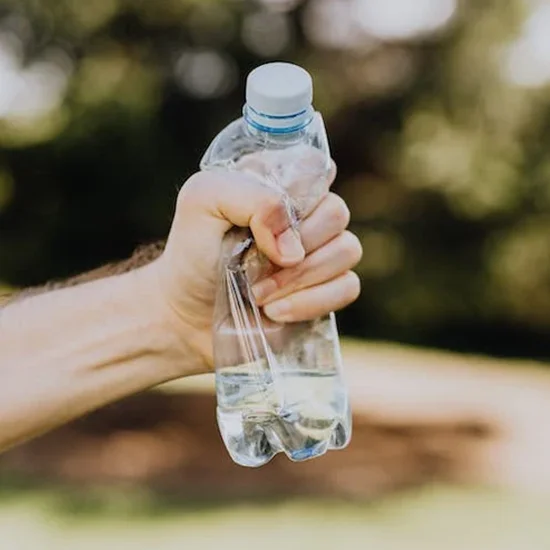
x=213 y=202
x=216 y=201
x=328 y=262
x=315 y=301
x=330 y=218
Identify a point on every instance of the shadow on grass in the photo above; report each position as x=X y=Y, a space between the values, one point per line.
x=119 y=500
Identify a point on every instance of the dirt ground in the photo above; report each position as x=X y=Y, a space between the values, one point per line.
x=419 y=417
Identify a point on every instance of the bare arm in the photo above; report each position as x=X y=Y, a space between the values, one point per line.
x=68 y=351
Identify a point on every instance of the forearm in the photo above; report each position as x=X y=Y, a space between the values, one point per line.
x=69 y=351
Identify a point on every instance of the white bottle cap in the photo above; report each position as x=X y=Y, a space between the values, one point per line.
x=279 y=97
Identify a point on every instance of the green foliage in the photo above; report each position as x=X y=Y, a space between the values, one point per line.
x=441 y=153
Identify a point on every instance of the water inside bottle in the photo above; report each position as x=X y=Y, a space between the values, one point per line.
x=254 y=428
x=300 y=407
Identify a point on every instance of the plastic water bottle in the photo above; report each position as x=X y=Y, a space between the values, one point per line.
x=279 y=386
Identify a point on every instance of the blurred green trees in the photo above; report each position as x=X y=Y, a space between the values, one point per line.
x=438 y=114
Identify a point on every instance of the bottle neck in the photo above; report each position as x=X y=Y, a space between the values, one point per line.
x=277 y=125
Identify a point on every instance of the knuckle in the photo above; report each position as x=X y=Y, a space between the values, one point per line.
x=274 y=212
x=192 y=188
x=290 y=279
x=333 y=170
x=281 y=279
x=339 y=210
x=197 y=181
x=275 y=201
x=351 y=247
x=352 y=286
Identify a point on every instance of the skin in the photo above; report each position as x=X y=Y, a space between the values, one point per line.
x=70 y=350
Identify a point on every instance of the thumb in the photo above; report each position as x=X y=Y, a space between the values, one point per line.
x=213 y=202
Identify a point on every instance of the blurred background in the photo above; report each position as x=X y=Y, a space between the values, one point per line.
x=438 y=114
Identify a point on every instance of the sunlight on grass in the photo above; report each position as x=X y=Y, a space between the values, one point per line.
x=430 y=519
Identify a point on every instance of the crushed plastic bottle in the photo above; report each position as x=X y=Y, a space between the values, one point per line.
x=280 y=387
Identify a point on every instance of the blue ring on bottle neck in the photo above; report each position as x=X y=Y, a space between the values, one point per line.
x=275 y=117
x=271 y=129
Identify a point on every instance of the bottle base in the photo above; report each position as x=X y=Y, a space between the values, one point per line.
x=252 y=443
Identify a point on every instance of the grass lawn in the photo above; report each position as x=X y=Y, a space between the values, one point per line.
x=438 y=518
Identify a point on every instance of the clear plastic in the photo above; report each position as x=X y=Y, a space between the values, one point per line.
x=280 y=387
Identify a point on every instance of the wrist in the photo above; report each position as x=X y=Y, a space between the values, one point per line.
x=186 y=347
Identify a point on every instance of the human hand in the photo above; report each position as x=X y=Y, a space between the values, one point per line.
x=315 y=276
